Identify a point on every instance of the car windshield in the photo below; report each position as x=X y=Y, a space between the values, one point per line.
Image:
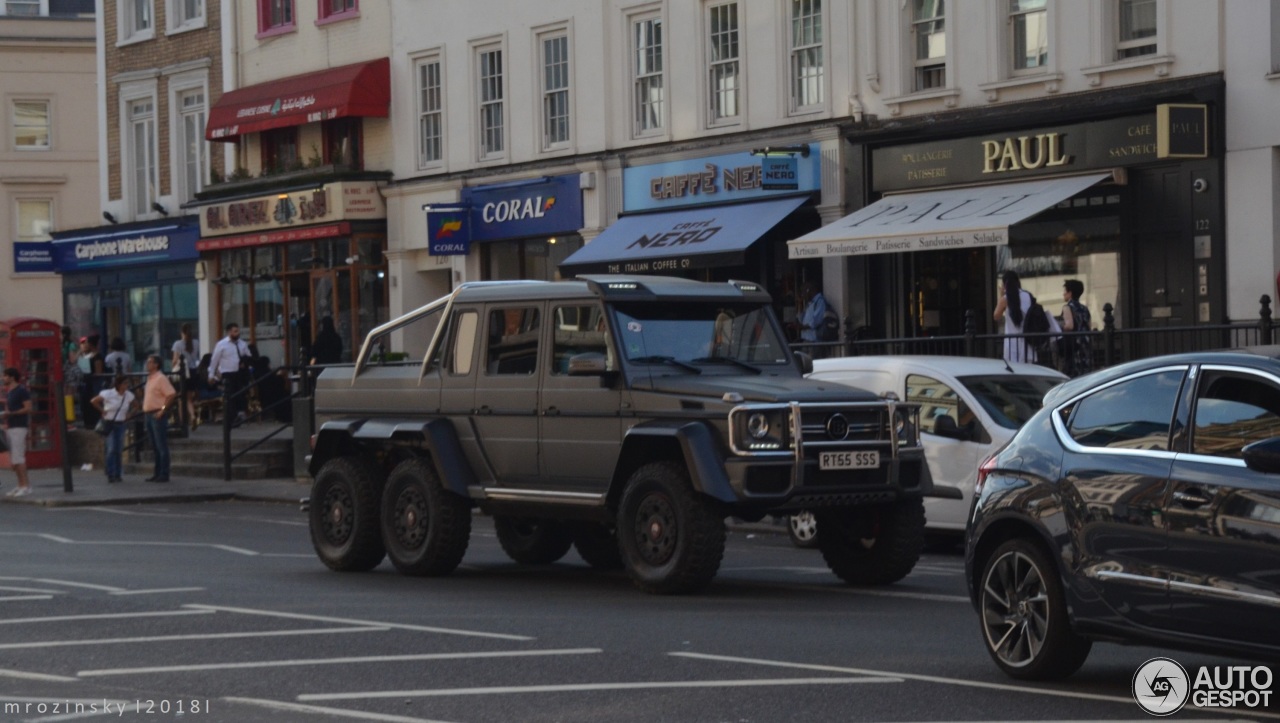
x=1010 y=399
x=700 y=334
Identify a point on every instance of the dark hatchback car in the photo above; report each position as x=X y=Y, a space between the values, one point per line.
x=1140 y=505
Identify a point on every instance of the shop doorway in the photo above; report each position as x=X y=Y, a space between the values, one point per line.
x=1162 y=248
x=331 y=296
x=940 y=286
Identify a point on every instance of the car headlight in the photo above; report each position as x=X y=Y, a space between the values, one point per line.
x=758 y=425
x=760 y=429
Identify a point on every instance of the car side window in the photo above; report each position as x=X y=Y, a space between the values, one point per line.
x=513 y=341
x=464 y=342
x=579 y=329
x=1234 y=409
x=937 y=400
x=1133 y=414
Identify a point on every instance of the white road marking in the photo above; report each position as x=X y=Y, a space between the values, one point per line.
x=64 y=583
x=300 y=555
x=105 y=616
x=336 y=661
x=17 y=598
x=123 y=543
x=336 y=712
x=158 y=590
x=1127 y=700
x=203 y=636
x=10 y=588
x=929 y=596
x=587 y=687
x=349 y=621
x=22 y=675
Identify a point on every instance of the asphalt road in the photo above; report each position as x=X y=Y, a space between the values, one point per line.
x=221 y=612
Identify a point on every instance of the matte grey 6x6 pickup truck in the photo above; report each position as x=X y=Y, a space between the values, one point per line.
x=624 y=416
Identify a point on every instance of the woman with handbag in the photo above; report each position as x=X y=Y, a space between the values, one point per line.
x=114 y=405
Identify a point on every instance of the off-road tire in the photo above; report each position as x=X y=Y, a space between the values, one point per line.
x=532 y=541
x=425 y=527
x=597 y=545
x=671 y=537
x=873 y=545
x=344 y=516
x=1023 y=615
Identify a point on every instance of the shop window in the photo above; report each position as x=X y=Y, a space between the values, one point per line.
x=513 y=341
x=929 y=44
x=275 y=17
x=725 y=68
x=1029 y=22
x=807 y=62
x=342 y=145
x=334 y=10
x=491 y=91
x=1136 y=28
x=537 y=259
x=647 y=74
x=555 y=90
x=32 y=125
x=430 y=113
x=280 y=150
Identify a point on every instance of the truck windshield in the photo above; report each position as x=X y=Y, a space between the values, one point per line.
x=700 y=333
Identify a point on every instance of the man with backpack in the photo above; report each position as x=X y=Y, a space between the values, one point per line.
x=1077 y=347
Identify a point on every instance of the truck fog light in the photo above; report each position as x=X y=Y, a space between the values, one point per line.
x=758 y=425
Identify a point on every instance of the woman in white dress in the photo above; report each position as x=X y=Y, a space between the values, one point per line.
x=1012 y=310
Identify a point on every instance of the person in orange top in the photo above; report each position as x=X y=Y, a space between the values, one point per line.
x=156 y=398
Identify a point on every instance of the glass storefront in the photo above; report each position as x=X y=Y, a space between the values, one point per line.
x=148 y=318
x=537 y=258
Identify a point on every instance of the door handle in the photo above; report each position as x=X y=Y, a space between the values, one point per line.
x=484 y=410
x=551 y=412
x=1190 y=499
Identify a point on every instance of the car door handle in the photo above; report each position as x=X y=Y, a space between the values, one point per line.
x=484 y=410
x=551 y=412
x=1191 y=499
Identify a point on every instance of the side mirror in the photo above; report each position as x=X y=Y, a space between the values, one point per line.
x=804 y=360
x=587 y=364
x=1263 y=456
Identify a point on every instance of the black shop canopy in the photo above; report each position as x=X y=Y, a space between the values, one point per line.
x=672 y=241
x=953 y=218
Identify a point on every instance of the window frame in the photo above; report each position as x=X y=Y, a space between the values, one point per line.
x=485 y=106
x=419 y=64
x=178 y=22
x=14 y=126
x=715 y=117
x=267 y=28
x=928 y=424
x=325 y=13
x=1012 y=39
x=180 y=159
x=1204 y=375
x=920 y=67
x=138 y=201
x=269 y=144
x=1064 y=415
x=545 y=92
x=640 y=80
x=18 y=202
x=337 y=129
x=1123 y=45
x=41 y=7
x=794 y=51
x=127 y=27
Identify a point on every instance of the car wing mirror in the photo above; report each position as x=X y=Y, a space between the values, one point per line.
x=588 y=364
x=1263 y=456
x=804 y=360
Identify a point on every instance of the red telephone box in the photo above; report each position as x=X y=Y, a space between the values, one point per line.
x=34 y=347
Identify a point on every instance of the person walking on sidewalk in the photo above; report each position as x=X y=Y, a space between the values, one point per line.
x=228 y=365
x=157 y=397
x=16 y=412
x=114 y=404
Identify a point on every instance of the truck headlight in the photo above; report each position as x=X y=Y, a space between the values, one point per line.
x=758 y=425
x=760 y=429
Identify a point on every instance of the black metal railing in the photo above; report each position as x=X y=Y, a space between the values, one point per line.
x=1109 y=345
x=297 y=381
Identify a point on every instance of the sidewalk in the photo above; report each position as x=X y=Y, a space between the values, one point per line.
x=91 y=489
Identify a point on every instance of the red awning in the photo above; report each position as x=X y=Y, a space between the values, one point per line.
x=362 y=89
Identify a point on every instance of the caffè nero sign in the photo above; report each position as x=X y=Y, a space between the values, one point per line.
x=1171 y=132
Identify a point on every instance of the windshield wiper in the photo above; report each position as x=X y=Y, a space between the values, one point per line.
x=728 y=360
x=659 y=359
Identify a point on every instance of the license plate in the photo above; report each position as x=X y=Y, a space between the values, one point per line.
x=848 y=460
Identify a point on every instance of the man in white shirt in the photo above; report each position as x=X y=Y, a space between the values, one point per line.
x=226 y=366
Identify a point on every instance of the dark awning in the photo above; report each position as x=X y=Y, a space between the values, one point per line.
x=687 y=239
x=947 y=219
x=362 y=89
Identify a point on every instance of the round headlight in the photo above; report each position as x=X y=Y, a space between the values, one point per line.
x=758 y=425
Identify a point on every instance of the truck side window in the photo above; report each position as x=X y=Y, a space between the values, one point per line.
x=512 y=341
x=464 y=342
x=579 y=330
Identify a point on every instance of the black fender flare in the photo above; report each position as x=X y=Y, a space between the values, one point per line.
x=437 y=436
x=702 y=451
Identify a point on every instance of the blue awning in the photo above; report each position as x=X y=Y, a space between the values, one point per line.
x=677 y=240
